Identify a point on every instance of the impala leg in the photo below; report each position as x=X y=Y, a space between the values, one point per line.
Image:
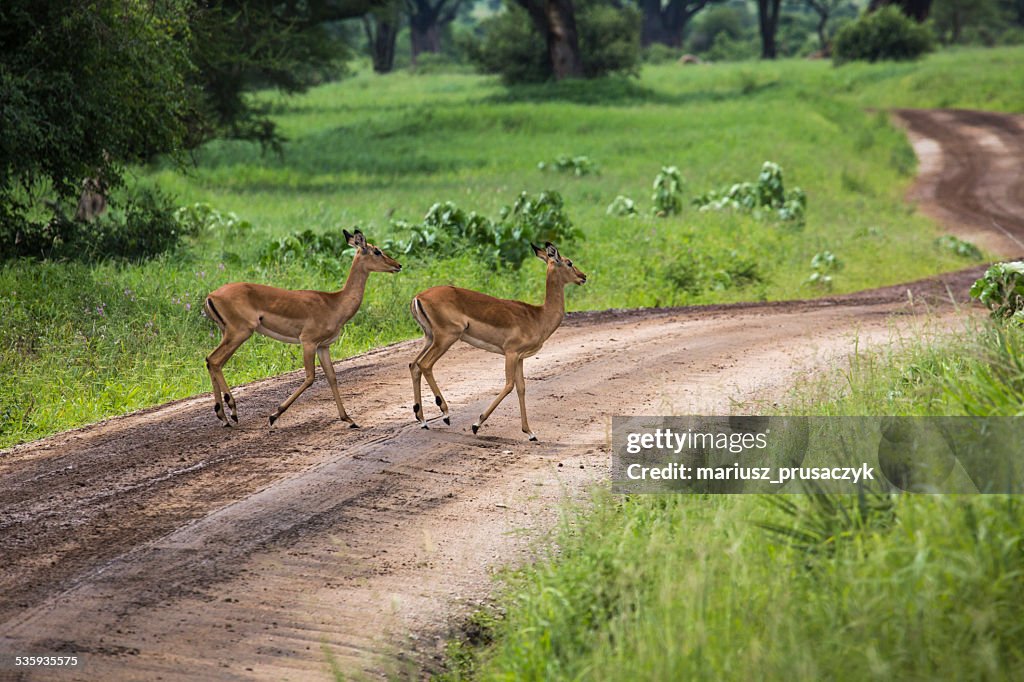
x=215 y=364
x=309 y=361
x=511 y=360
x=521 y=390
x=424 y=365
x=417 y=373
x=324 y=353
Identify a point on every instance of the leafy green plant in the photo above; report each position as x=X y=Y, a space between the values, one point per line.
x=822 y=264
x=622 y=206
x=319 y=249
x=768 y=196
x=959 y=247
x=451 y=230
x=201 y=217
x=1001 y=290
x=576 y=165
x=668 y=192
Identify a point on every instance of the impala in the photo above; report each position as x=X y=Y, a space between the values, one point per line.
x=514 y=329
x=312 y=319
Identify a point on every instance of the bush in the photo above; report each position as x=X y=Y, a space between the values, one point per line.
x=668 y=190
x=144 y=228
x=1001 y=289
x=658 y=53
x=887 y=34
x=766 y=197
x=449 y=230
x=514 y=49
x=319 y=249
x=577 y=165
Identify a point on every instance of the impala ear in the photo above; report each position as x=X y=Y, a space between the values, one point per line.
x=552 y=252
x=539 y=252
x=357 y=240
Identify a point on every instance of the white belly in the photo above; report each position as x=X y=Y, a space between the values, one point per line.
x=473 y=341
x=274 y=335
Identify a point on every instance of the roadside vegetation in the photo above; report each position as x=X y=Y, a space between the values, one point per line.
x=84 y=340
x=803 y=587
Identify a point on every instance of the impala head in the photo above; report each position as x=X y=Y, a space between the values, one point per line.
x=562 y=267
x=369 y=256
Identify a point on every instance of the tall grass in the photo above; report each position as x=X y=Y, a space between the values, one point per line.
x=75 y=347
x=746 y=587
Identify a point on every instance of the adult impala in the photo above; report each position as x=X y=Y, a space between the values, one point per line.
x=514 y=329
x=312 y=319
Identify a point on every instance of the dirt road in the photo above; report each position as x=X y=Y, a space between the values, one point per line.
x=160 y=546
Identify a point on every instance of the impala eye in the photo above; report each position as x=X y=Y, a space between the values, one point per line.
x=378 y=252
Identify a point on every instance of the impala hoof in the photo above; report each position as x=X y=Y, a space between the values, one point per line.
x=476 y=427
x=533 y=438
x=273 y=418
x=235 y=418
x=353 y=425
x=423 y=425
x=447 y=421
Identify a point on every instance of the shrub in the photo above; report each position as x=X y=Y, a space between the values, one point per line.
x=448 y=229
x=622 y=206
x=1001 y=290
x=514 y=49
x=577 y=165
x=668 y=192
x=768 y=196
x=959 y=247
x=144 y=228
x=887 y=34
x=319 y=249
x=822 y=264
x=201 y=217
x=657 y=53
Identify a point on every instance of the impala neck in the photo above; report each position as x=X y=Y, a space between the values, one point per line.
x=553 y=309
x=351 y=295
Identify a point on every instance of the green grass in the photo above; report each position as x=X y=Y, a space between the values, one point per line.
x=648 y=587
x=371 y=149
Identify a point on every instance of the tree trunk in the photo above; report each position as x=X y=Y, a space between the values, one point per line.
x=381 y=35
x=822 y=37
x=666 y=25
x=424 y=39
x=556 y=20
x=768 y=19
x=652 y=29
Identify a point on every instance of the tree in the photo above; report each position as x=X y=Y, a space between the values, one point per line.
x=426 y=22
x=555 y=20
x=768 y=20
x=607 y=37
x=951 y=17
x=825 y=9
x=915 y=9
x=87 y=88
x=665 y=20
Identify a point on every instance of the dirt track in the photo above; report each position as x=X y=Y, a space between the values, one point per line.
x=160 y=546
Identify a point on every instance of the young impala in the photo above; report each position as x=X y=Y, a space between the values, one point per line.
x=514 y=329
x=312 y=319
